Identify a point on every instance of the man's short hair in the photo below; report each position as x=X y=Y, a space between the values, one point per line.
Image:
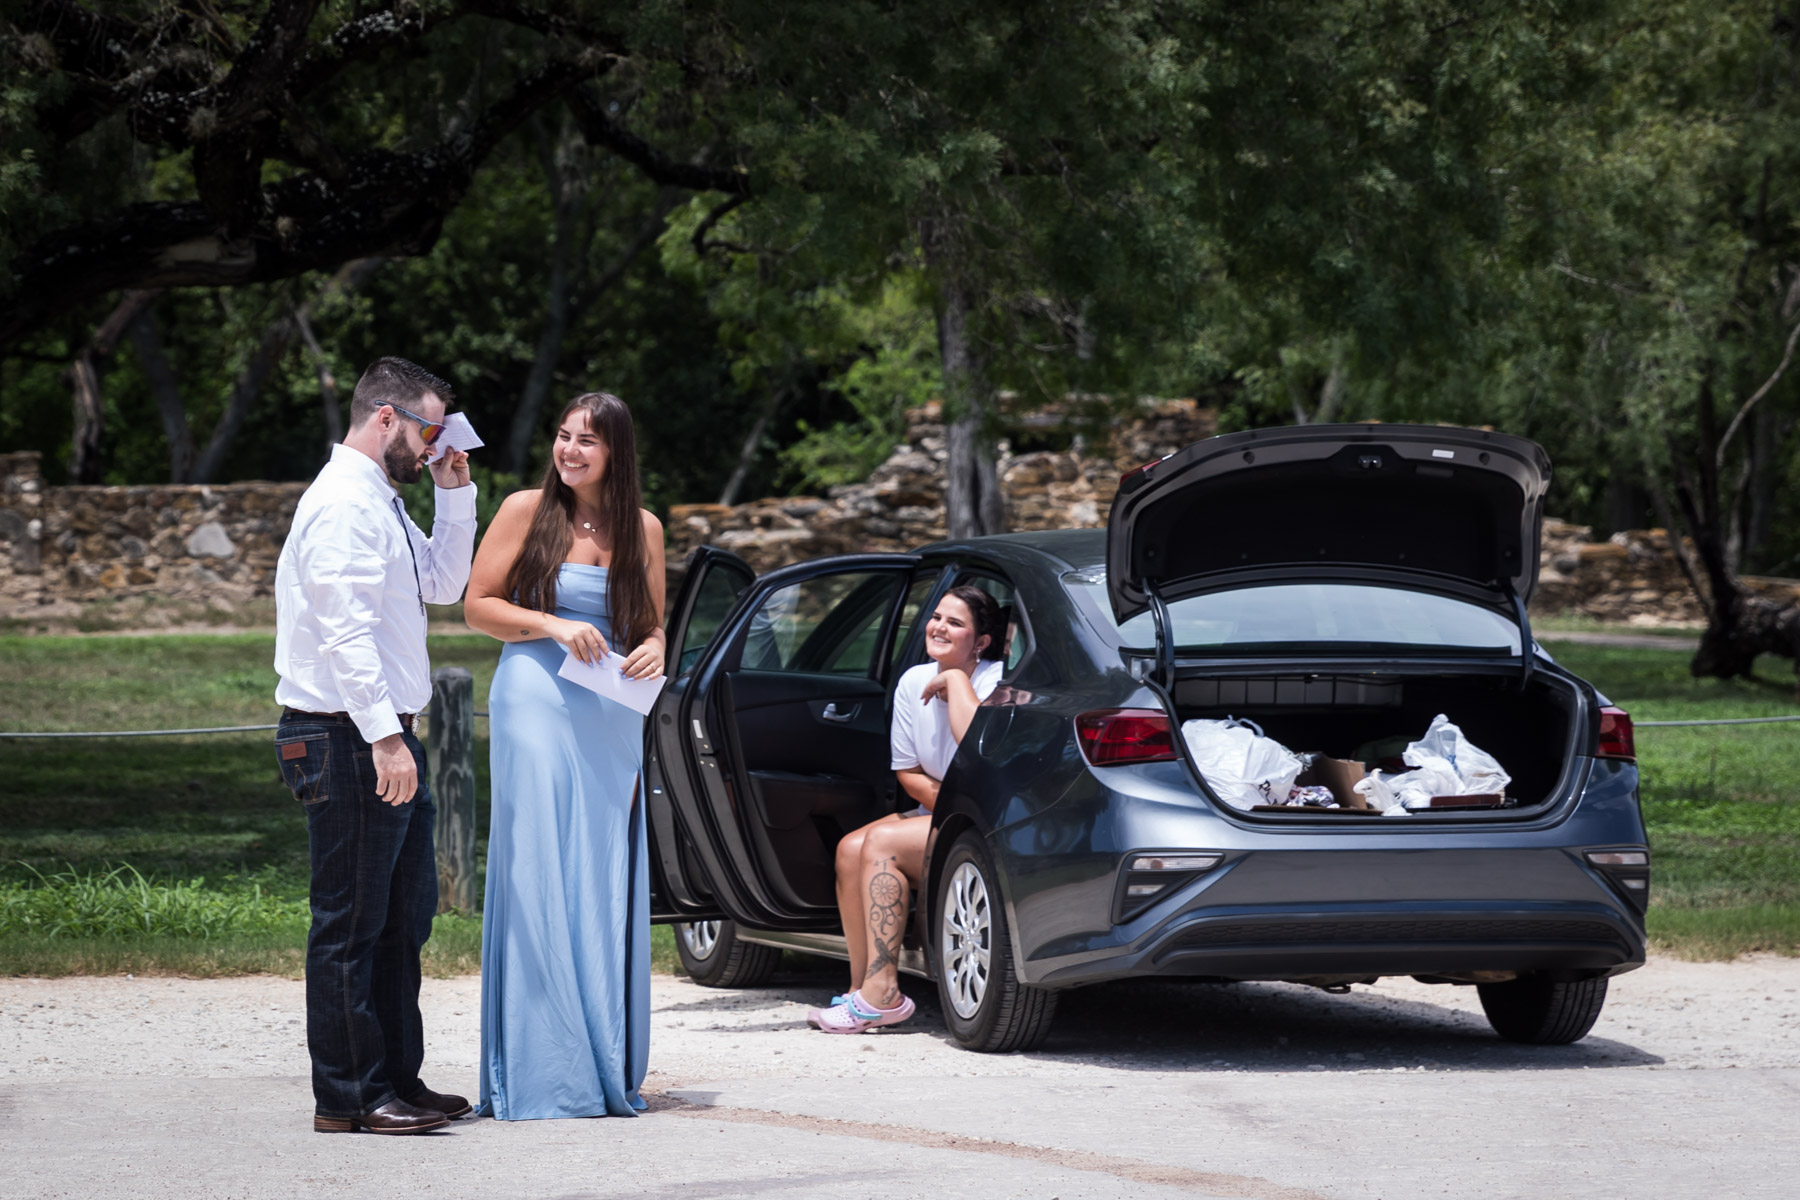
x=398 y=382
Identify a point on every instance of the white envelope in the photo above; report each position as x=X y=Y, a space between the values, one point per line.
x=606 y=678
x=458 y=435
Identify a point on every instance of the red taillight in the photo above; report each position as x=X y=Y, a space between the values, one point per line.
x=1114 y=736
x=1615 y=735
x=1131 y=480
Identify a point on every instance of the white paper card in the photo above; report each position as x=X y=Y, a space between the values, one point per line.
x=458 y=435
x=606 y=678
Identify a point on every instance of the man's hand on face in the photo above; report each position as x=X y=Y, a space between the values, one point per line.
x=451 y=470
x=396 y=771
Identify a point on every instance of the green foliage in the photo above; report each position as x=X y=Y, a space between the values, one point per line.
x=491 y=488
x=894 y=367
x=1574 y=221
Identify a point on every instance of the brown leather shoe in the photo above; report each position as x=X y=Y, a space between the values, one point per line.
x=396 y=1116
x=451 y=1106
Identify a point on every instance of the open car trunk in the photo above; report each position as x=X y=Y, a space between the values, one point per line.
x=1535 y=733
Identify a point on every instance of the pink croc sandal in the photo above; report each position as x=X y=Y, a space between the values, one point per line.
x=856 y=1015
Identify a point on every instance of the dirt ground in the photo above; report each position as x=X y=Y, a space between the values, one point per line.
x=1685 y=1087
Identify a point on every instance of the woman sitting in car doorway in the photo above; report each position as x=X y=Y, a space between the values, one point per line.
x=879 y=864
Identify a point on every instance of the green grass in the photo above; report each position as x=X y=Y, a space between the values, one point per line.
x=1722 y=803
x=1572 y=622
x=182 y=856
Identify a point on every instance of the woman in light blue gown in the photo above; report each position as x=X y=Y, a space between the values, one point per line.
x=575 y=567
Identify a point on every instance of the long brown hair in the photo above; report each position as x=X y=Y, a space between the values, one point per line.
x=532 y=579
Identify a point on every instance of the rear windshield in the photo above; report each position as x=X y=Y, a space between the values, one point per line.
x=1290 y=614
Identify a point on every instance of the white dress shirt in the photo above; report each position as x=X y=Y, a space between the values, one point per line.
x=350 y=591
x=921 y=735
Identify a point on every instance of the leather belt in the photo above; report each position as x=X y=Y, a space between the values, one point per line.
x=406 y=719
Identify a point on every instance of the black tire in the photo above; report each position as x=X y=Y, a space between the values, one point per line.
x=997 y=1015
x=1541 y=1012
x=725 y=960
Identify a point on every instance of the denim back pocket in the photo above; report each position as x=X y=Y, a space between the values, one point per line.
x=305 y=759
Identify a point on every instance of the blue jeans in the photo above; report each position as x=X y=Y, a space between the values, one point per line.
x=374 y=892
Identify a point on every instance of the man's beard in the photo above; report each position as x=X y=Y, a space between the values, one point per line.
x=402 y=464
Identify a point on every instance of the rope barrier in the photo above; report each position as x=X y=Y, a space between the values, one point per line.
x=142 y=732
x=106 y=733
x=1719 y=721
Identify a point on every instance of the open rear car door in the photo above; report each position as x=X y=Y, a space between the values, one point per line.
x=773 y=740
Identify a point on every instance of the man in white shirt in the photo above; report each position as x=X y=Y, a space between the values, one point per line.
x=350 y=592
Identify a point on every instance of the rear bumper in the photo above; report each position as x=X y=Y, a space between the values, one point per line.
x=1288 y=942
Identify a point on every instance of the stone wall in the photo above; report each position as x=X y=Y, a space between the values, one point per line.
x=61 y=549
x=901 y=505
x=168 y=554
x=1632 y=577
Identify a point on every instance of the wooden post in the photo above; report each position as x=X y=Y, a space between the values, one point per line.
x=450 y=747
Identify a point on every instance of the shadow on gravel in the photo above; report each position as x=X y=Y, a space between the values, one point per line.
x=1162 y=1025
x=1157 y=1025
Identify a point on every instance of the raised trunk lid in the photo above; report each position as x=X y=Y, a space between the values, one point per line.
x=1451 y=509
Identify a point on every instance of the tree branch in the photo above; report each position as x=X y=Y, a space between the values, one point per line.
x=701 y=245
x=385 y=204
x=1787 y=356
x=600 y=130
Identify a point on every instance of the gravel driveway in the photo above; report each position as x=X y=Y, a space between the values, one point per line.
x=149 y=1087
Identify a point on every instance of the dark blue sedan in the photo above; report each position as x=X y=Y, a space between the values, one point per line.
x=1339 y=586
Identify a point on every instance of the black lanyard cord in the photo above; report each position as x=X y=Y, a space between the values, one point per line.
x=406 y=533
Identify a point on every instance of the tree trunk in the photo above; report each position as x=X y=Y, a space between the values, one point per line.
x=90 y=419
x=328 y=392
x=266 y=357
x=86 y=464
x=973 y=504
x=752 y=443
x=167 y=393
x=566 y=191
x=244 y=391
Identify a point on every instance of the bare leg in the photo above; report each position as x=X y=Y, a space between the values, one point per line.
x=893 y=856
x=851 y=892
x=850 y=905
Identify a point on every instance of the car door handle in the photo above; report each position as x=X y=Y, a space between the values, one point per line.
x=831 y=713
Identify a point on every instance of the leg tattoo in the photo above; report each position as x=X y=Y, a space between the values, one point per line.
x=887 y=894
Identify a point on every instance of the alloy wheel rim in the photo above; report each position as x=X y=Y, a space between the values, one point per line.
x=701 y=937
x=967 y=939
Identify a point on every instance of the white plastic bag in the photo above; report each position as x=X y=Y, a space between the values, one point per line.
x=1243 y=767
x=1446 y=764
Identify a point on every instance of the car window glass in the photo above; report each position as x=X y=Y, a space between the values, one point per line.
x=719 y=590
x=916 y=595
x=1310 y=613
x=1017 y=640
x=830 y=624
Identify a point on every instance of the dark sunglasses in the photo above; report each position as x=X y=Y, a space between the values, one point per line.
x=429 y=431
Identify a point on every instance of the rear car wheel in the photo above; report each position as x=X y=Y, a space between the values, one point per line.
x=985 y=1005
x=714 y=956
x=1542 y=1012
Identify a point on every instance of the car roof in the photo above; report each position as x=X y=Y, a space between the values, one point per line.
x=1073 y=549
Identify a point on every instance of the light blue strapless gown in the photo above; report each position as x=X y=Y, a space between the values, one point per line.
x=565 y=937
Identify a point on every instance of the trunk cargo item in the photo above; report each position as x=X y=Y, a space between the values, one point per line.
x=1341 y=775
x=1446 y=764
x=1243 y=768
x=1436 y=802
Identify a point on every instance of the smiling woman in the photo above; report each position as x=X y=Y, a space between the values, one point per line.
x=572 y=569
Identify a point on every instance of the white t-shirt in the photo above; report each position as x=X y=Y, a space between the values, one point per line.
x=921 y=735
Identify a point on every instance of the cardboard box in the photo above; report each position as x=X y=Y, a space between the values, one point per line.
x=1341 y=775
